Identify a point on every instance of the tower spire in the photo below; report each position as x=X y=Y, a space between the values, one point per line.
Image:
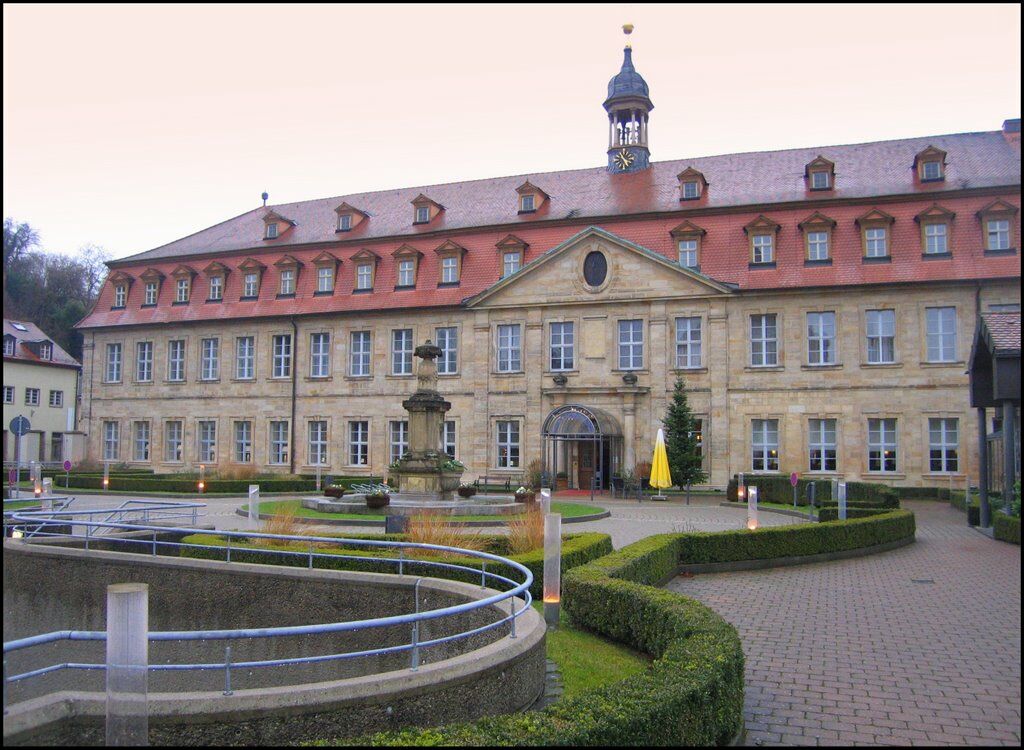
x=628 y=106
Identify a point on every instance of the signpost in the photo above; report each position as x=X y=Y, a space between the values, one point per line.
x=794 y=479
x=20 y=427
x=67 y=473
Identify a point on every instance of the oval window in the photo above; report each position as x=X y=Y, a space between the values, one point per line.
x=595 y=268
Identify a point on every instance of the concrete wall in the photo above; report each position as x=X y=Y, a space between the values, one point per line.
x=49 y=589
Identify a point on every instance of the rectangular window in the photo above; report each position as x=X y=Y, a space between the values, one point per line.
x=688 y=253
x=401 y=352
x=359 y=443
x=9 y=347
x=876 y=242
x=56 y=446
x=182 y=291
x=113 y=373
x=359 y=354
x=448 y=340
x=216 y=287
x=935 y=239
x=882 y=445
x=763 y=248
x=764 y=343
x=46 y=351
x=526 y=203
x=688 y=343
x=881 y=332
x=57 y=399
x=821 y=338
x=998 y=233
x=941 y=333
x=120 y=295
x=245 y=358
x=344 y=222
x=821 y=443
x=278 y=442
x=509 y=348
x=207 y=441
x=690 y=191
x=563 y=346
x=32 y=397
x=176 y=360
x=510 y=263
x=243 y=442
x=631 y=344
x=144 y=361
x=422 y=214
x=140 y=442
x=271 y=231
x=325 y=279
x=449 y=270
x=111 y=441
x=406 y=272
x=931 y=170
x=173 y=435
x=398 y=433
x=287 y=281
x=508 y=445
x=319 y=355
x=8 y=394
x=251 y=285
x=448 y=437
x=819 y=180
x=209 y=364
x=765 y=444
x=943 y=445
x=151 y=289
x=317 y=443
x=282 y=366
x=817 y=245
x=364 y=276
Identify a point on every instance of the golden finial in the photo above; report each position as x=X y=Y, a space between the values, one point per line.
x=627 y=29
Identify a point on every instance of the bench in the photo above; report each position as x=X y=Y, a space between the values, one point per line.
x=505 y=480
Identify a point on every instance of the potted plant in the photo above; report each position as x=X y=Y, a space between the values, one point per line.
x=334 y=490
x=466 y=490
x=561 y=481
x=524 y=495
x=379 y=497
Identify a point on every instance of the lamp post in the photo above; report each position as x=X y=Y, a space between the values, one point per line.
x=552 y=567
x=752 y=508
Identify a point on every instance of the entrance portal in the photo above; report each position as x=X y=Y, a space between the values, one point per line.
x=582 y=448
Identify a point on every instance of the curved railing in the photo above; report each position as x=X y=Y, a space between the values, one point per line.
x=54 y=524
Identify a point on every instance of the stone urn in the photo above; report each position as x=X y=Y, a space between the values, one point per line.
x=526 y=497
x=334 y=491
x=378 y=500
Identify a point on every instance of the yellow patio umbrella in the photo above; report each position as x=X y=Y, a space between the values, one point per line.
x=660 y=475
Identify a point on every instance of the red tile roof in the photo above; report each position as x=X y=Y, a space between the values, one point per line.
x=642 y=207
x=1003 y=331
x=34 y=334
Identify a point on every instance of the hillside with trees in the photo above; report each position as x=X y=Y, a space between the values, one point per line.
x=52 y=290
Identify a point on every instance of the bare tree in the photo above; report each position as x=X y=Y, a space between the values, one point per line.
x=19 y=239
x=94 y=259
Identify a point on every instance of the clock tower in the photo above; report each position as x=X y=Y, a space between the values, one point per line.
x=628 y=106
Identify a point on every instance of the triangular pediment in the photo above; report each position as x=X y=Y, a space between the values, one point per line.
x=216 y=269
x=346 y=208
x=325 y=259
x=251 y=264
x=528 y=188
x=631 y=272
x=875 y=216
x=407 y=251
x=691 y=174
x=511 y=242
x=152 y=274
x=935 y=213
x=688 y=229
x=366 y=254
x=448 y=247
x=120 y=277
x=288 y=261
x=760 y=225
x=817 y=220
x=998 y=208
x=423 y=200
x=930 y=153
x=183 y=271
x=270 y=216
x=819 y=163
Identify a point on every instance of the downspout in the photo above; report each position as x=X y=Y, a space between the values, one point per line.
x=295 y=372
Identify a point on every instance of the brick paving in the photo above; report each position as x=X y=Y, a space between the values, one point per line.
x=918 y=646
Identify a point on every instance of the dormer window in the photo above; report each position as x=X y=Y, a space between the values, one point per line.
x=762 y=233
x=531 y=197
x=407 y=263
x=216 y=288
x=46 y=350
x=449 y=270
x=820 y=174
x=275 y=225
x=326 y=268
x=930 y=165
x=183 y=276
x=182 y=290
x=688 y=238
x=271 y=231
x=422 y=214
x=425 y=209
x=691 y=184
x=364 y=276
x=349 y=217
x=288 y=274
x=936 y=223
x=874 y=230
x=9 y=344
x=407 y=272
x=151 y=291
x=121 y=282
x=217 y=274
x=120 y=295
x=451 y=254
x=526 y=202
x=817 y=230
x=998 y=228
x=252 y=276
x=366 y=269
x=251 y=285
x=511 y=262
x=820 y=181
x=344 y=222
x=149 y=298
x=288 y=281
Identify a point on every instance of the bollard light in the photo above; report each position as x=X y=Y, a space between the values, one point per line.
x=752 y=508
x=254 y=506
x=106 y=476
x=17 y=534
x=545 y=500
x=841 y=497
x=202 y=477
x=552 y=567
x=127 y=664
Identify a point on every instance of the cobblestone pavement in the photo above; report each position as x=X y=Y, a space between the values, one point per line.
x=920 y=645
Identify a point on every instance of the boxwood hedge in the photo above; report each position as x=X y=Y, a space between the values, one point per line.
x=1006 y=528
x=577 y=549
x=775 y=488
x=831 y=512
x=151 y=483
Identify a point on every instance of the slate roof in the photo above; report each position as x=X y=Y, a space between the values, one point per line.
x=1003 y=331
x=34 y=334
x=627 y=83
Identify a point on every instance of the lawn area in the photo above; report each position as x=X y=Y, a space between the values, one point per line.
x=779 y=506
x=588 y=661
x=18 y=505
x=568 y=510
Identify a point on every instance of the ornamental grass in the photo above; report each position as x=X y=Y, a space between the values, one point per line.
x=526 y=531
x=433 y=527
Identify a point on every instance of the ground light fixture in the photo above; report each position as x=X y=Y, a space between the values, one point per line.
x=106 y=476
x=545 y=500
x=127 y=664
x=552 y=567
x=752 y=508
x=37 y=479
x=202 y=478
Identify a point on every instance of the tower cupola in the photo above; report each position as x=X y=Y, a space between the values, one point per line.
x=628 y=106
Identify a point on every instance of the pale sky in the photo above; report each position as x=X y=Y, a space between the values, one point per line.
x=131 y=126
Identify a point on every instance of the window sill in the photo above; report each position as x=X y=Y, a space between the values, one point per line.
x=208 y=380
x=873 y=259
x=105 y=382
x=637 y=371
x=290 y=295
x=764 y=368
x=117 y=307
x=420 y=223
x=175 y=382
x=448 y=284
x=932 y=365
x=152 y=304
x=526 y=211
x=548 y=373
x=449 y=375
x=882 y=365
x=405 y=287
x=339 y=231
x=831 y=366
x=936 y=256
x=318 y=378
x=399 y=376
x=362 y=291
x=508 y=374
x=693 y=370
x=996 y=253
x=248 y=299
x=177 y=302
x=359 y=377
x=760 y=266
x=884 y=475
x=821 y=262
x=943 y=474
x=326 y=293
x=215 y=301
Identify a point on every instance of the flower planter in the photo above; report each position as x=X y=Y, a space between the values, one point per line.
x=561 y=483
x=526 y=497
x=334 y=491
x=377 y=501
x=466 y=492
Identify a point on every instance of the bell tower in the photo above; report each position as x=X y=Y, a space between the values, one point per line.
x=628 y=106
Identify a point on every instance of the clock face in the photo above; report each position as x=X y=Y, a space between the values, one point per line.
x=624 y=159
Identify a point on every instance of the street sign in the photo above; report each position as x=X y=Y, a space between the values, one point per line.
x=67 y=465
x=20 y=426
x=793 y=478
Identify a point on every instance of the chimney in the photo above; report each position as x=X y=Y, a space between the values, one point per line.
x=1011 y=130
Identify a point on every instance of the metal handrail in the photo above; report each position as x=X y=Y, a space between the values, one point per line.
x=517 y=590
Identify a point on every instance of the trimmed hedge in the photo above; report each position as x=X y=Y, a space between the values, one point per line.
x=1006 y=528
x=775 y=488
x=831 y=513
x=577 y=549
x=134 y=483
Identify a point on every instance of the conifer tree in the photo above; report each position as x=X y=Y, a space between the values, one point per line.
x=681 y=443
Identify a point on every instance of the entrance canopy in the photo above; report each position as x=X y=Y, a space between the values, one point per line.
x=575 y=422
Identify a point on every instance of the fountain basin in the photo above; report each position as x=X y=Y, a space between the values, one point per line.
x=410 y=503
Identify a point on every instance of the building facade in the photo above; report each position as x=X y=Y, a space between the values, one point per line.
x=41 y=384
x=819 y=304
